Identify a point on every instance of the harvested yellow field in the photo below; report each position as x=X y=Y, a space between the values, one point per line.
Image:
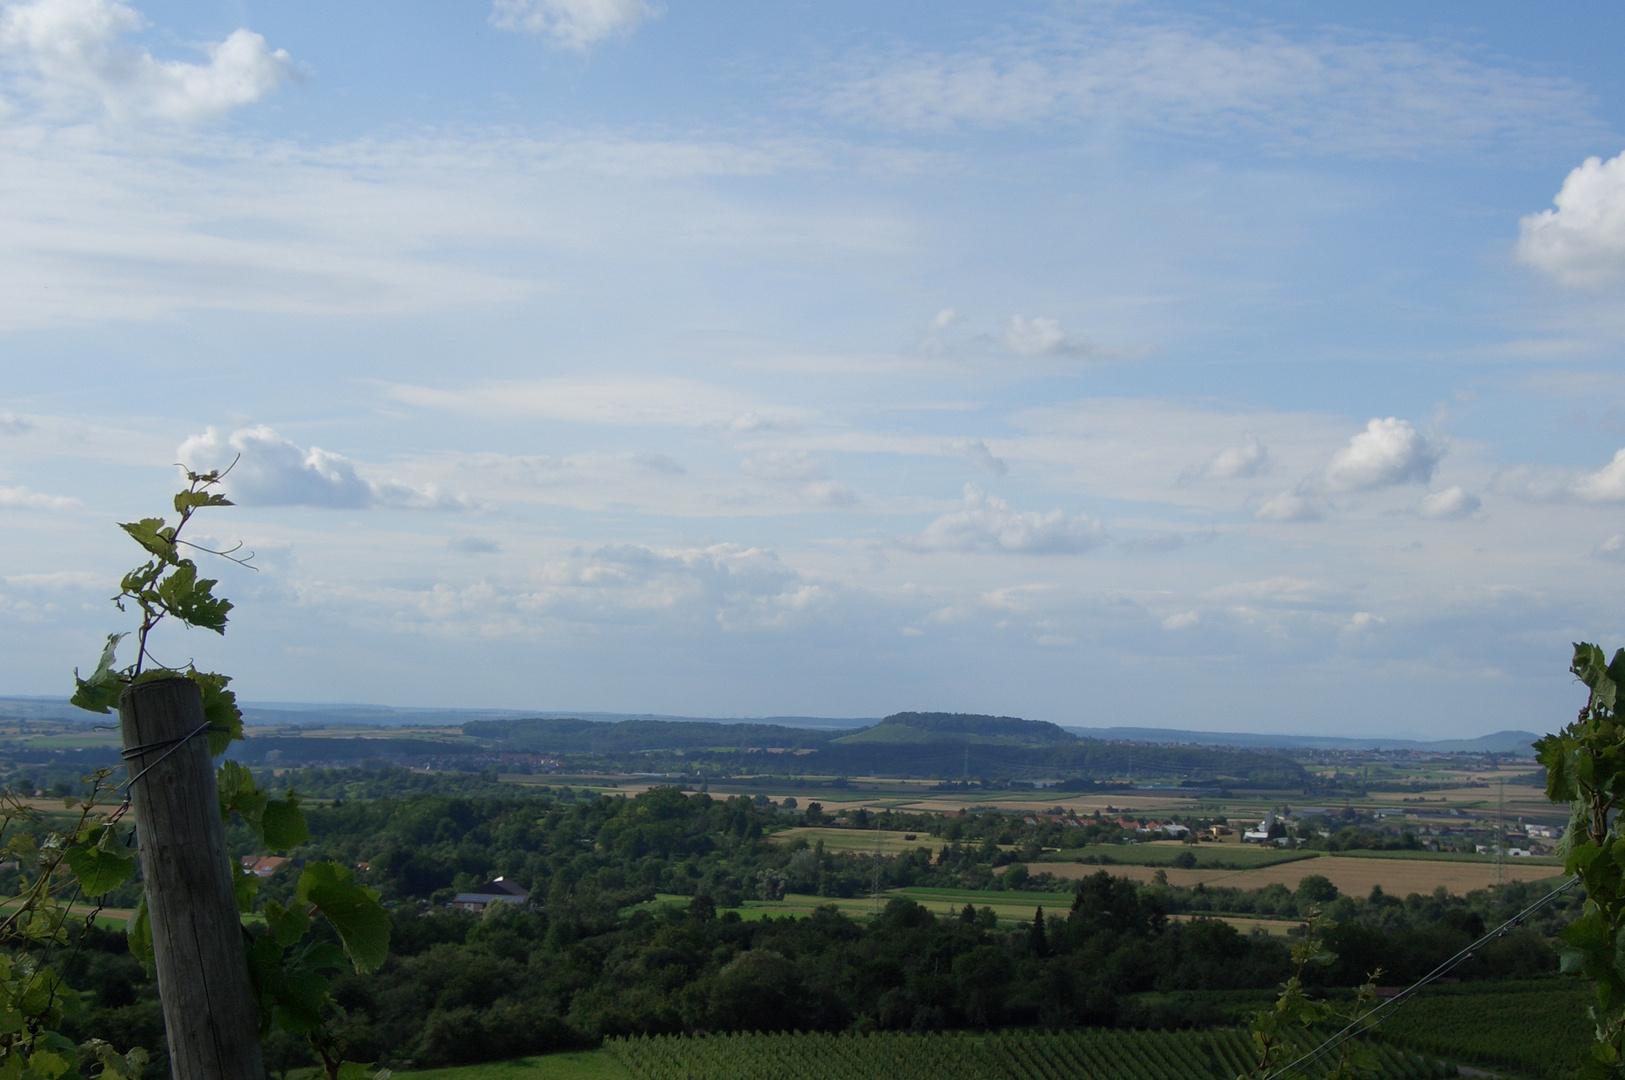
x=1353 y=876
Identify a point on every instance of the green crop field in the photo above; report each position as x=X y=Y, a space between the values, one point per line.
x=1208 y=856
x=1537 y=1028
x=1098 y=1054
x=575 y=1065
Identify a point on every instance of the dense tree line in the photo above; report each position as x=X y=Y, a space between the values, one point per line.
x=595 y=957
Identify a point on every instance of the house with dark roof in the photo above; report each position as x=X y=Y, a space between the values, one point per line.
x=495 y=891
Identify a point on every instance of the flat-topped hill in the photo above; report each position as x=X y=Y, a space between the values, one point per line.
x=960 y=729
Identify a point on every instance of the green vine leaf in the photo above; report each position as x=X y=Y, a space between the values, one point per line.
x=284 y=824
x=191 y=500
x=353 y=910
x=287 y=925
x=191 y=599
x=152 y=534
x=219 y=709
x=138 y=932
x=99 y=869
x=100 y=692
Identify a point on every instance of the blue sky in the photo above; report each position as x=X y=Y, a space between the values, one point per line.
x=1210 y=366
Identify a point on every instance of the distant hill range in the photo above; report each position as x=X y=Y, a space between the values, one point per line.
x=944 y=746
x=1502 y=742
x=591 y=732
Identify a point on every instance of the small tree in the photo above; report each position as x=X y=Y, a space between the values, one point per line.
x=1585 y=767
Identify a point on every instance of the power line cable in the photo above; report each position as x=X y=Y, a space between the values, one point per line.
x=1374 y=1017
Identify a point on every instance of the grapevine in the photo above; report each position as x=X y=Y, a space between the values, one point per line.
x=289 y=970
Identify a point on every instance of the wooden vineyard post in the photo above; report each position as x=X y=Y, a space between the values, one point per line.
x=197 y=940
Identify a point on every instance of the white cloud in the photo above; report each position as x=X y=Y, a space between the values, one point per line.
x=782 y=466
x=1153 y=543
x=722 y=587
x=474 y=545
x=976 y=452
x=1612 y=549
x=945 y=318
x=1251 y=458
x=1181 y=621
x=1288 y=506
x=988 y=523
x=1387 y=452
x=21 y=498
x=1607 y=484
x=1371 y=98
x=626 y=400
x=70 y=51
x=272 y=471
x=660 y=463
x=12 y=424
x=573 y=24
x=1451 y=504
x=1039 y=336
x=1581 y=243
x=60 y=579
x=1364 y=620
x=795 y=468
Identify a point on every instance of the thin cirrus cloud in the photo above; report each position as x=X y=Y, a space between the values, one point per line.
x=1366 y=98
x=796 y=469
x=21 y=498
x=573 y=24
x=1581 y=241
x=630 y=400
x=988 y=523
x=269 y=470
x=67 y=52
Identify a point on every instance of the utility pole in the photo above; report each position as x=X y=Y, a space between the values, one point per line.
x=197 y=939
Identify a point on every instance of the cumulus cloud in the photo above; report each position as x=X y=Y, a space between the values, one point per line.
x=1607 y=484
x=1387 y=452
x=1364 y=620
x=1451 y=504
x=1581 y=242
x=976 y=452
x=21 y=498
x=572 y=24
x=1612 y=549
x=1251 y=458
x=945 y=318
x=1039 y=336
x=12 y=424
x=1288 y=506
x=1181 y=621
x=987 y=523
x=272 y=471
x=70 y=51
